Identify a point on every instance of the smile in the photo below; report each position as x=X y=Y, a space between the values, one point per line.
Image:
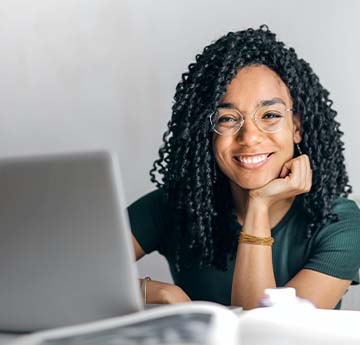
x=252 y=161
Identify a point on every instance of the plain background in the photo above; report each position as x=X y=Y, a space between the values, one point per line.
x=94 y=74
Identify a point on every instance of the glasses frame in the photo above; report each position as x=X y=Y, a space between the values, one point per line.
x=237 y=127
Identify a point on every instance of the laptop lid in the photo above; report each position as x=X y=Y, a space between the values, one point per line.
x=65 y=251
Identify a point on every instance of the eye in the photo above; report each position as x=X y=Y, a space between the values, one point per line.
x=271 y=115
x=226 y=119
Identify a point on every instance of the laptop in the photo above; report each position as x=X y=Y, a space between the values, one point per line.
x=65 y=252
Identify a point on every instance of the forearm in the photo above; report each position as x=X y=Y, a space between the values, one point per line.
x=163 y=293
x=253 y=270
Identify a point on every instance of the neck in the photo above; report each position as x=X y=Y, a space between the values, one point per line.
x=241 y=196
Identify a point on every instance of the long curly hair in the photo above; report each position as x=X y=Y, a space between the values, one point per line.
x=205 y=226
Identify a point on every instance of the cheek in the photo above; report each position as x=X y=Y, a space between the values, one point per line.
x=284 y=140
x=215 y=145
x=220 y=146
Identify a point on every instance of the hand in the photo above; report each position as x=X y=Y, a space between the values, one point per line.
x=172 y=294
x=164 y=293
x=295 y=179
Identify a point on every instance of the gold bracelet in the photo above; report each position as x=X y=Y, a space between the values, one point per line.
x=143 y=287
x=262 y=241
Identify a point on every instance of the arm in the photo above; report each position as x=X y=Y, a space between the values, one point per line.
x=253 y=269
x=322 y=290
x=159 y=292
x=146 y=217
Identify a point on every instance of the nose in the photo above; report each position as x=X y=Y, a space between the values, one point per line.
x=249 y=134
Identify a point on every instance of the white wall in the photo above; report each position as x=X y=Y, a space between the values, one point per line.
x=85 y=74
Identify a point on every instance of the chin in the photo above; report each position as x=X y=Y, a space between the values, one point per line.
x=249 y=185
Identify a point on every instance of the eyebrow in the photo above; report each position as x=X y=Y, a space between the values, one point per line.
x=262 y=103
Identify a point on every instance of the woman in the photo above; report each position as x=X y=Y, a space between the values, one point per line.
x=254 y=185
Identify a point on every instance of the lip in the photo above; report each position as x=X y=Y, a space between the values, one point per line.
x=252 y=165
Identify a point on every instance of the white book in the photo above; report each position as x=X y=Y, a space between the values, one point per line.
x=211 y=324
x=188 y=323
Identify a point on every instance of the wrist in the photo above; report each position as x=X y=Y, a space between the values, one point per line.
x=143 y=288
x=257 y=208
x=258 y=202
x=257 y=220
x=255 y=240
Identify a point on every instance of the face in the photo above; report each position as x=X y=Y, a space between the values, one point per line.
x=252 y=158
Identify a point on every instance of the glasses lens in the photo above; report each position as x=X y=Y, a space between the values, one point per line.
x=227 y=122
x=271 y=118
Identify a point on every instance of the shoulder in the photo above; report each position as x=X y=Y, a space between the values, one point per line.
x=348 y=219
x=335 y=247
x=150 y=217
x=154 y=198
x=347 y=225
x=346 y=209
x=151 y=207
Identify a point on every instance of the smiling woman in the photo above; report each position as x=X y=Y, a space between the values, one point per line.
x=254 y=188
x=256 y=153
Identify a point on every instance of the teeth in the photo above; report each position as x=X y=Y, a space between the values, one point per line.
x=252 y=159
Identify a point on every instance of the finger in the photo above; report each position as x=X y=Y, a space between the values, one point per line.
x=306 y=171
x=285 y=171
x=292 y=166
x=287 y=168
x=309 y=182
x=300 y=174
x=297 y=174
x=309 y=174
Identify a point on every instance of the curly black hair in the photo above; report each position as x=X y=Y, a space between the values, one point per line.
x=199 y=193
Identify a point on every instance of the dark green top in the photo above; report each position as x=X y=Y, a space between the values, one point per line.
x=333 y=250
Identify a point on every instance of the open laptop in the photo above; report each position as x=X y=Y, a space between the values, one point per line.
x=65 y=251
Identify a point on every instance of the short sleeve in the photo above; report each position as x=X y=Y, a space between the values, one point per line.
x=336 y=247
x=147 y=217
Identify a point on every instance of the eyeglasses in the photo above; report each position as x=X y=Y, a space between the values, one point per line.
x=268 y=119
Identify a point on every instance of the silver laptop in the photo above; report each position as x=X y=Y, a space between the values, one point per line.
x=65 y=251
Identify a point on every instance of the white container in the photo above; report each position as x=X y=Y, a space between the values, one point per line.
x=284 y=298
x=290 y=320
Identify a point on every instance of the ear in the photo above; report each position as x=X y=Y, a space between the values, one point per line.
x=297 y=128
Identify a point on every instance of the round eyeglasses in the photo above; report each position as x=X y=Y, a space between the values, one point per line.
x=268 y=119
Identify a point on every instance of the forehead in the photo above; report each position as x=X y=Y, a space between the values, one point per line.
x=254 y=84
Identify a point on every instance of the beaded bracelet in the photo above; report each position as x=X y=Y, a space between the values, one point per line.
x=262 y=241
